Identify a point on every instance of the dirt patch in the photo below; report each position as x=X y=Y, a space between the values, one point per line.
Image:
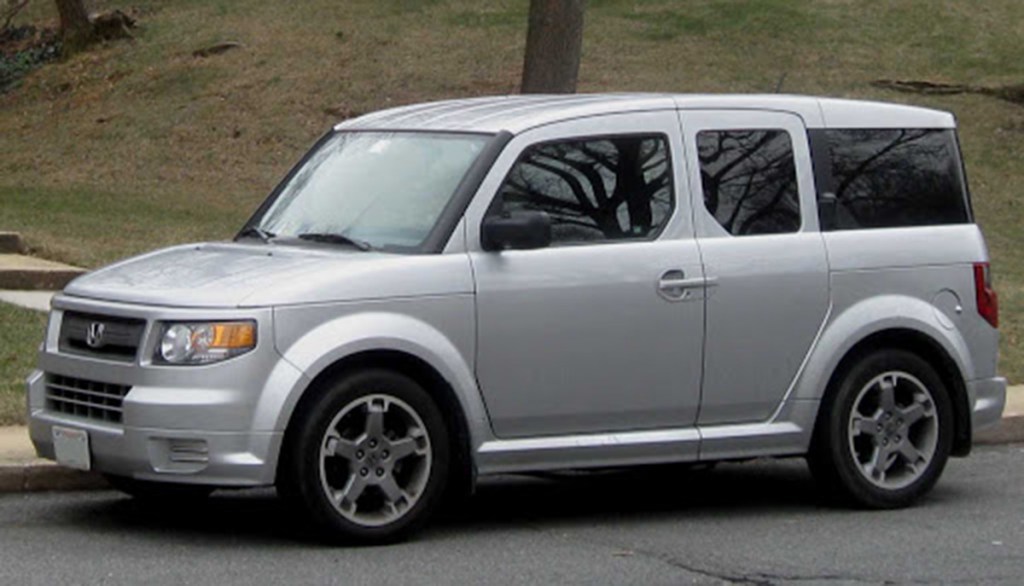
x=216 y=49
x=1011 y=93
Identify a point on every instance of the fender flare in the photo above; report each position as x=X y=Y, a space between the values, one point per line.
x=352 y=334
x=864 y=319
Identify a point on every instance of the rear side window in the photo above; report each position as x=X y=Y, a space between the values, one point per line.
x=749 y=180
x=895 y=177
x=595 y=190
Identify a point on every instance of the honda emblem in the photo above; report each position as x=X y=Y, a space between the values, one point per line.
x=94 y=334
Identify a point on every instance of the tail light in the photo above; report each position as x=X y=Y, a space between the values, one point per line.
x=988 y=301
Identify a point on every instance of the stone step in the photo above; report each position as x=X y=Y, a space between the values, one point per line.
x=33 y=274
x=11 y=243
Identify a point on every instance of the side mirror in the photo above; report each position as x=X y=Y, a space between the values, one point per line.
x=519 y=230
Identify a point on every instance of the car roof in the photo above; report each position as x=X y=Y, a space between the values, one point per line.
x=518 y=113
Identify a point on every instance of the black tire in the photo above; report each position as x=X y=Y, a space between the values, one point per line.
x=875 y=453
x=158 y=492
x=333 y=448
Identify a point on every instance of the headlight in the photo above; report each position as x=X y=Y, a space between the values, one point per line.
x=204 y=342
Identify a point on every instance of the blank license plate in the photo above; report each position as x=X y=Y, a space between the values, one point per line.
x=72 y=447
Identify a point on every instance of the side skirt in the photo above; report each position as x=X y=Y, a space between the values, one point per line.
x=720 y=442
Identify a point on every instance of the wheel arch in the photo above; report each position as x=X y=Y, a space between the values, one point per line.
x=439 y=360
x=893 y=320
x=420 y=371
x=929 y=349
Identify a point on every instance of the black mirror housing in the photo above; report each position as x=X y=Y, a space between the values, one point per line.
x=518 y=230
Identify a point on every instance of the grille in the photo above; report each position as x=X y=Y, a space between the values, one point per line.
x=113 y=338
x=85 y=398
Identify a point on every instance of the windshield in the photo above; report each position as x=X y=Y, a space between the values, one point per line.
x=380 y=190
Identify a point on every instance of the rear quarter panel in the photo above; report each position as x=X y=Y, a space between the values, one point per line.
x=911 y=278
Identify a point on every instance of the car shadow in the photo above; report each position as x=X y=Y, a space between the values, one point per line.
x=680 y=492
x=760 y=487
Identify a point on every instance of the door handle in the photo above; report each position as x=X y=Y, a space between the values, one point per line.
x=674 y=285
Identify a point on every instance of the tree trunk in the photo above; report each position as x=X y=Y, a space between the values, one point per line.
x=554 y=38
x=76 y=30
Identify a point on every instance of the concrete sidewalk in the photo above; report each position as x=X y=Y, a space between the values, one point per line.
x=37 y=300
x=21 y=471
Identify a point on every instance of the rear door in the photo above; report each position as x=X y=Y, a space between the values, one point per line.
x=750 y=173
x=601 y=331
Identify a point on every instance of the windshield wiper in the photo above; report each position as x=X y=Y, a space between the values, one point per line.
x=331 y=238
x=256 y=231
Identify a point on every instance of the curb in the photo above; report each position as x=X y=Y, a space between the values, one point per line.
x=39 y=477
x=1009 y=430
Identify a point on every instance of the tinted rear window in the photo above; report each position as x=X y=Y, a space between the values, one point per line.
x=896 y=177
x=749 y=180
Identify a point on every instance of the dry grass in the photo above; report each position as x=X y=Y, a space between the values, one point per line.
x=139 y=144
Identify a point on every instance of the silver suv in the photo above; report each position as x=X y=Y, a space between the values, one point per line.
x=449 y=290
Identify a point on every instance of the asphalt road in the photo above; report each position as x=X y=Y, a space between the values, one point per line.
x=754 y=523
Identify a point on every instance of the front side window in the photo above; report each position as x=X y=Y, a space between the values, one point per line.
x=602 y=189
x=749 y=180
x=896 y=177
x=384 y=190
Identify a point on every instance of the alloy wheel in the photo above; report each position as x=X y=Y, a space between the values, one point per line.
x=893 y=430
x=375 y=460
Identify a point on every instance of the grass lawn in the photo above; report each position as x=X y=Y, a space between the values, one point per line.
x=20 y=335
x=139 y=144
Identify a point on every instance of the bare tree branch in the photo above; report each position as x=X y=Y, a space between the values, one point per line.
x=863 y=166
x=537 y=196
x=767 y=210
x=574 y=184
x=12 y=10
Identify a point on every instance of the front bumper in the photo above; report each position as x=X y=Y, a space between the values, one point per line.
x=988 y=399
x=191 y=456
x=212 y=425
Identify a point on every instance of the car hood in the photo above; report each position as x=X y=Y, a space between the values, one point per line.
x=256 y=275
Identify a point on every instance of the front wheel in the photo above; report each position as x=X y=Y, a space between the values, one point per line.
x=885 y=432
x=369 y=458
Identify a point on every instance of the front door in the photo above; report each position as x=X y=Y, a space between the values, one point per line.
x=601 y=331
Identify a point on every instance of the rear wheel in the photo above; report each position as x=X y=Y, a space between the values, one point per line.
x=369 y=458
x=885 y=432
